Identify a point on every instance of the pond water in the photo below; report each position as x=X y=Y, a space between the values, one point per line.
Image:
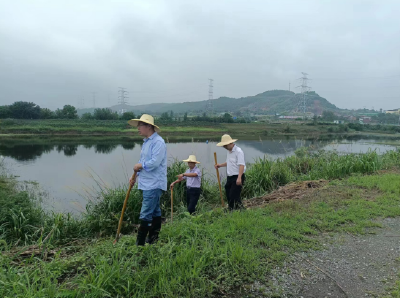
x=69 y=170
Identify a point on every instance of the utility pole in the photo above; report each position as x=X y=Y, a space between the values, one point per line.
x=122 y=96
x=303 y=96
x=81 y=103
x=209 y=105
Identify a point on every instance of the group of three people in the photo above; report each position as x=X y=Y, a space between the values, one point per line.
x=151 y=171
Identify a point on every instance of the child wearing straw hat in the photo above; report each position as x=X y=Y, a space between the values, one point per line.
x=236 y=167
x=152 y=173
x=193 y=183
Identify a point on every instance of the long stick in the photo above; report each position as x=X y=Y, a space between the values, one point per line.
x=219 y=181
x=172 y=204
x=123 y=209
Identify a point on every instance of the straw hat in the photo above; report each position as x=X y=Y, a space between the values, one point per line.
x=146 y=119
x=225 y=140
x=192 y=158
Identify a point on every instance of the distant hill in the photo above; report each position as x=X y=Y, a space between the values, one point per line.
x=269 y=102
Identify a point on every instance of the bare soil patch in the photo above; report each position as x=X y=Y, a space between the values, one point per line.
x=292 y=191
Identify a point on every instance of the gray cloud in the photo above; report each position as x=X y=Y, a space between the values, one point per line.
x=56 y=52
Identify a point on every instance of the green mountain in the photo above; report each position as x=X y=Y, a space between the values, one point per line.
x=269 y=102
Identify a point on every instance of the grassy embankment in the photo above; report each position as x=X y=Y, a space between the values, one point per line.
x=189 y=128
x=212 y=253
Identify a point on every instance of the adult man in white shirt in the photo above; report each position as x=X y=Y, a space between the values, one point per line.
x=236 y=167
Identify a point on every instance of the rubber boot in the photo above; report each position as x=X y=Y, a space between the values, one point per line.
x=154 y=231
x=144 y=228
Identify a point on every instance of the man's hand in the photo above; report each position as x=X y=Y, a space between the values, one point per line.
x=217 y=166
x=132 y=181
x=239 y=181
x=137 y=167
x=180 y=176
x=172 y=185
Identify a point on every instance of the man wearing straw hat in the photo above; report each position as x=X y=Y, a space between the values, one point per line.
x=193 y=183
x=236 y=167
x=152 y=172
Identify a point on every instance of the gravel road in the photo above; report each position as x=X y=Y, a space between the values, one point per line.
x=349 y=266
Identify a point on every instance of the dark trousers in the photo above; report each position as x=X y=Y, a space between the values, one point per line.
x=192 y=197
x=233 y=192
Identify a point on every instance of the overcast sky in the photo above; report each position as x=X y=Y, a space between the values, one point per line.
x=57 y=52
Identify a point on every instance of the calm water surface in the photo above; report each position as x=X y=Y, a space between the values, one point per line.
x=68 y=170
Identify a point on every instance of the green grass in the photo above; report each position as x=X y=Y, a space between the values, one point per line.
x=266 y=175
x=201 y=256
x=22 y=219
x=190 y=129
x=171 y=128
x=214 y=252
x=395 y=291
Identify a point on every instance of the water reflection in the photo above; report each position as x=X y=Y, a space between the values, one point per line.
x=25 y=152
x=112 y=160
x=69 y=150
x=21 y=150
x=105 y=148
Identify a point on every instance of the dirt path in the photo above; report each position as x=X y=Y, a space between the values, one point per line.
x=353 y=266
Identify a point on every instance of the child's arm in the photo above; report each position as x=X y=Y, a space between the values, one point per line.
x=180 y=176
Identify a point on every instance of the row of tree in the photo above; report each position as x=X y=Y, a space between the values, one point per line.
x=107 y=114
x=226 y=118
x=30 y=110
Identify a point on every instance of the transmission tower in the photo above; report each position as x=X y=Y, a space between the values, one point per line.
x=122 y=96
x=81 y=103
x=303 y=95
x=94 y=99
x=209 y=106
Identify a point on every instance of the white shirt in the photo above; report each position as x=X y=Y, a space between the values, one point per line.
x=235 y=158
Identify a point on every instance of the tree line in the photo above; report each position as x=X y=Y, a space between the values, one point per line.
x=225 y=118
x=30 y=110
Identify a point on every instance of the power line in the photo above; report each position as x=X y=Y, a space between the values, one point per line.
x=357 y=78
x=163 y=91
x=166 y=94
x=81 y=102
x=94 y=99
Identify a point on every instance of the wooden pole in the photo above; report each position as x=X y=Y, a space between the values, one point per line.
x=123 y=209
x=219 y=181
x=172 y=204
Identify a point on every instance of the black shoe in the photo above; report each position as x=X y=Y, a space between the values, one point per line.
x=144 y=228
x=154 y=231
